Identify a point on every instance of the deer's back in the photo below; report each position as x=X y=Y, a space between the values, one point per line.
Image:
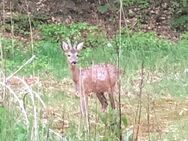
x=99 y=78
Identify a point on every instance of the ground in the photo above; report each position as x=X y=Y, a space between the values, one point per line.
x=159 y=115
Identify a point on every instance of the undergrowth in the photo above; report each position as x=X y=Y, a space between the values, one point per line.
x=160 y=56
x=10 y=129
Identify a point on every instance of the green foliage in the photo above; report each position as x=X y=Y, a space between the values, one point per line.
x=141 y=47
x=20 y=23
x=176 y=85
x=94 y=40
x=180 y=15
x=9 y=129
x=125 y=121
x=159 y=55
x=14 y=53
x=109 y=125
x=184 y=40
x=11 y=48
x=13 y=129
x=103 y=8
x=179 y=7
x=135 y=48
x=50 y=58
x=73 y=31
x=177 y=131
x=180 y=23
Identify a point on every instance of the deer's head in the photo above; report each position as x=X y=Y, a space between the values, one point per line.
x=72 y=51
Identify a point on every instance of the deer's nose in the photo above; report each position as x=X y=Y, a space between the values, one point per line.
x=73 y=62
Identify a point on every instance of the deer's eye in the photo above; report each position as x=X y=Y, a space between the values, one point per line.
x=68 y=55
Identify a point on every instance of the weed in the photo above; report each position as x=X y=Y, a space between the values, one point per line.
x=159 y=56
x=20 y=23
x=62 y=31
x=9 y=129
x=180 y=23
x=176 y=131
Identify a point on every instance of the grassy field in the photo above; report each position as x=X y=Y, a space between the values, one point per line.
x=48 y=99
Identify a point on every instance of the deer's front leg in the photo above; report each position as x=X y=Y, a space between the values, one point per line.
x=77 y=89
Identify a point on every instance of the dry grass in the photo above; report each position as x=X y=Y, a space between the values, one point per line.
x=63 y=109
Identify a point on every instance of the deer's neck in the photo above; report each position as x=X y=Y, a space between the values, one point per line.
x=75 y=73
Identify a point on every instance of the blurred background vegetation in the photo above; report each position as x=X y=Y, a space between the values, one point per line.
x=153 y=32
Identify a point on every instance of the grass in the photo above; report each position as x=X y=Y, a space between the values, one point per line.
x=165 y=62
x=180 y=129
x=10 y=128
x=176 y=131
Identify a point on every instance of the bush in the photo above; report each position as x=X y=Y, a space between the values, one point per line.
x=180 y=23
x=73 y=31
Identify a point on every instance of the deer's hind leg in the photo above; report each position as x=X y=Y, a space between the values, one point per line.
x=111 y=97
x=102 y=100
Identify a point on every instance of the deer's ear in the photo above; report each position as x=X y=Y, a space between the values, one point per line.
x=80 y=46
x=64 y=46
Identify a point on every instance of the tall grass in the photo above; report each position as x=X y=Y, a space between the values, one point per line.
x=161 y=57
x=10 y=128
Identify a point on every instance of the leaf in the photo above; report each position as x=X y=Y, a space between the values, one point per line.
x=125 y=121
x=103 y=8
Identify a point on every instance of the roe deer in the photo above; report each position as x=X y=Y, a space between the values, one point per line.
x=99 y=78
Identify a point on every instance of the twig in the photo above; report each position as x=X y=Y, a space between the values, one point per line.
x=36 y=133
x=119 y=86
x=2 y=75
x=3 y=61
x=12 y=28
x=30 y=25
x=148 y=115
x=140 y=101
x=3 y=12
